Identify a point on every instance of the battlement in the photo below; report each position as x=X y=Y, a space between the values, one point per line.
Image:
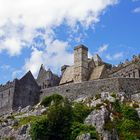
x=127 y=63
x=8 y=85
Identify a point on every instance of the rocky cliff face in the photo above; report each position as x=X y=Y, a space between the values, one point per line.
x=109 y=116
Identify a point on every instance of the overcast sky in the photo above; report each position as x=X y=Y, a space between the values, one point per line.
x=35 y=32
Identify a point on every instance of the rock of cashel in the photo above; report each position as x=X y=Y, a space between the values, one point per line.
x=87 y=76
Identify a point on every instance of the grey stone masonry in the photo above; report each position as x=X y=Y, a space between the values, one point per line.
x=81 y=63
x=72 y=91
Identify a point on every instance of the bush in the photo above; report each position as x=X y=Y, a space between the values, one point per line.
x=80 y=112
x=117 y=107
x=114 y=95
x=129 y=136
x=39 y=128
x=56 y=98
x=128 y=125
x=57 y=124
x=24 y=121
x=60 y=119
x=78 y=128
x=130 y=113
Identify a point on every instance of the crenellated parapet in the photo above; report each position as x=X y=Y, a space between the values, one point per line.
x=134 y=61
x=8 y=85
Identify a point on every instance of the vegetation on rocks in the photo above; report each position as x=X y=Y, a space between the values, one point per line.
x=56 y=98
x=125 y=120
x=105 y=116
x=64 y=121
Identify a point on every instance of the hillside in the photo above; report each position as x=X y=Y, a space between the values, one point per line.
x=107 y=116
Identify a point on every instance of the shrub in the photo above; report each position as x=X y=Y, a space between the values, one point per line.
x=39 y=128
x=130 y=113
x=25 y=120
x=80 y=112
x=114 y=95
x=56 y=98
x=129 y=136
x=128 y=125
x=79 y=128
x=57 y=124
x=60 y=119
x=117 y=107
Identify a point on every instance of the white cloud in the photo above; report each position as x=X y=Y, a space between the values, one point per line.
x=54 y=56
x=136 y=10
x=116 y=56
x=34 y=62
x=12 y=45
x=102 y=49
x=20 y=19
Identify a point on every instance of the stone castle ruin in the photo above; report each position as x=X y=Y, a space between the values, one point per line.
x=88 y=76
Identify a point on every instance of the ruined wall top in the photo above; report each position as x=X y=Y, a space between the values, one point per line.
x=8 y=85
x=81 y=46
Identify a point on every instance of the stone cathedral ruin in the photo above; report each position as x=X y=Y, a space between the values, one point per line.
x=88 y=76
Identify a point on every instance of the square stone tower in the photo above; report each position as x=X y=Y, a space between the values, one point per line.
x=80 y=64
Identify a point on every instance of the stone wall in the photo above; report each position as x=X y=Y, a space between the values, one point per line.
x=6 y=97
x=72 y=91
x=26 y=92
x=129 y=71
x=129 y=85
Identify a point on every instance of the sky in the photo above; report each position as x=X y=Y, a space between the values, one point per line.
x=35 y=32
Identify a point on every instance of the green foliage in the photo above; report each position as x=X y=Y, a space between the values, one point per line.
x=60 y=119
x=56 y=98
x=25 y=120
x=114 y=95
x=79 y=128
x=128 y=125
x=39 y=129
x=116 y=106
x=129 y=136
x=80 y=112
x=130 y=113
x=57 y=124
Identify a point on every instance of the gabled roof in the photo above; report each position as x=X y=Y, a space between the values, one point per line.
x=97 y=72
x=43 y=74
x=68 y=75
x=28 y=78
x=97 y=59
